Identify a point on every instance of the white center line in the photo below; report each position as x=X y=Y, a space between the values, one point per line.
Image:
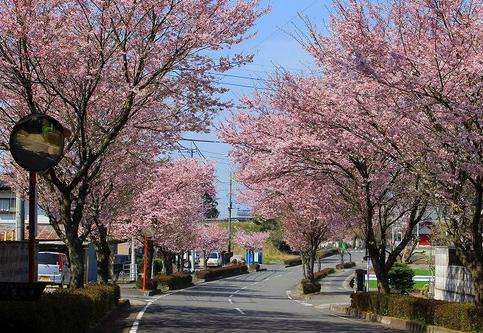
x=240 y=310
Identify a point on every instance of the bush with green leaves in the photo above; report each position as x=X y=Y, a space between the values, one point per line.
x=345 y=265
x=310 y=287
x=401 y=278
x=63 y=310
x=323 y=273
x=293 y=262
x=456 y=316
x=152 y=283
x=215 y=273
x=178 y=280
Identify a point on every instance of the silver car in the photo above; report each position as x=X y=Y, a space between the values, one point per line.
x=53 y=267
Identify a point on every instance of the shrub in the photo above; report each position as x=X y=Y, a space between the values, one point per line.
x=158 y=266
x=60 y=311
x=457 y=316
x=214 y=273
x=292 y=262
x=104 y=297
x=328 y=253
x=152 y=283
x=345 y=265
x=323 y=273
x=401 y=278
x=177 y=280
x=310 y=287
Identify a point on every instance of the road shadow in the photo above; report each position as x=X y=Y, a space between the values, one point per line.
x=168 y=318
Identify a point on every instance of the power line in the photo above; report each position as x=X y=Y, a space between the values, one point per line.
x=241 y=77
x=202 y=140
x=244 y=86
x=284 y=24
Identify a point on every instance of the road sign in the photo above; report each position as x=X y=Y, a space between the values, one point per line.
x=37 y=142
x=343 y=246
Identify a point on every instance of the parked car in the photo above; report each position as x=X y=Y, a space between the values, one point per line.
x=53 y=267
x=214 y=260
x=120 y=261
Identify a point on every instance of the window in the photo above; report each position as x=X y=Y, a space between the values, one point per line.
x=7 y=205
x=213 y=255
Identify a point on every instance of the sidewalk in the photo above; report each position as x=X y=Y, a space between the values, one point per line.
x=334 y=287
x=332 y=290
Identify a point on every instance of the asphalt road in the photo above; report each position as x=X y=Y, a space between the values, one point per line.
x=256 y=302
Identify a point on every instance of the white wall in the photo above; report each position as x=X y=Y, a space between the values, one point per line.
x=452 y=283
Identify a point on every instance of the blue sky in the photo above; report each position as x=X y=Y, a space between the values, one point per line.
x=272 y=47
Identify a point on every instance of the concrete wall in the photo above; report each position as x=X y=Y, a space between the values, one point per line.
x=452 y=281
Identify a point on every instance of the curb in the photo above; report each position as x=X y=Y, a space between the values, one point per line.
x=395 y=323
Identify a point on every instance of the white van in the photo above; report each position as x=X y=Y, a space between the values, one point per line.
x=53 y=267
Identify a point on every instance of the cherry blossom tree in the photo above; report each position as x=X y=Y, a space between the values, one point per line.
x=109 y=70
x=251 y=241
x=306 y=130
x=170 y=207
x=209 y=238
x=112 y=197
x=308 y=211
x=418 y=63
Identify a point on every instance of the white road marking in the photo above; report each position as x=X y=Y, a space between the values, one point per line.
x=288 y=294
x=139 y=316
x=305 y=304
x=240 y=310
x=229 y=300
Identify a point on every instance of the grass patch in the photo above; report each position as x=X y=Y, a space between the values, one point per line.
x=418 y=285
x=422 y=271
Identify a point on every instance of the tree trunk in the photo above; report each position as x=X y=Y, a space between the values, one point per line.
x=477 y=278
x=76 y=257
x=205 y=261
x=103 y=252
x=304 y=265
x=380 y=269
x=310 y=266
x=167 y=262
x=150 y=257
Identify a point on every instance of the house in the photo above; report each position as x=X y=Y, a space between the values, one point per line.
x=46 y=235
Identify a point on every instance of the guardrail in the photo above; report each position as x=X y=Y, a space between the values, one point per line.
x=416 y=278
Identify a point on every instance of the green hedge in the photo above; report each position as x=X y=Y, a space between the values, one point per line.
x=310 y=287
x=152 y=283
x=345 y=265
x=298 y=260
x=60 y=311
x=214 y=273
x=293 y=262
x=323 y=273
x=457 y=316
x=178 y=280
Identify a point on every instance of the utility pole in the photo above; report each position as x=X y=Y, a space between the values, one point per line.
x=192 y=252
x=19 y=217
x=230 y=206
